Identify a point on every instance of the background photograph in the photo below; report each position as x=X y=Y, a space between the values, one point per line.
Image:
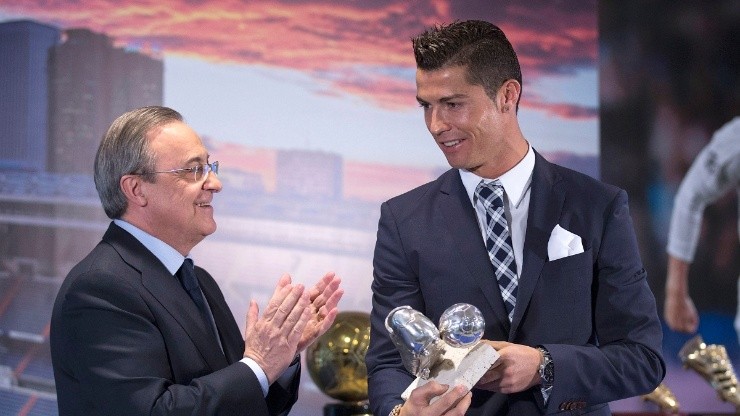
x=315 y=101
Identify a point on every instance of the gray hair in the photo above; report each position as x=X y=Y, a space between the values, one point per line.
x=125 y=150
x=480 y=47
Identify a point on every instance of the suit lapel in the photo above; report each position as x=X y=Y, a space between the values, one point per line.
x=545 y=206
x=168 y=292
x=472 y=251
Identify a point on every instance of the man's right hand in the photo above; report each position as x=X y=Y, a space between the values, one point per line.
x=452 y=403
x=272 y=339
x=678 y=309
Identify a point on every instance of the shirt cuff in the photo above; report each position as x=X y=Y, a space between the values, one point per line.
x=257 y=370
x=262 y=377
x=546 y=394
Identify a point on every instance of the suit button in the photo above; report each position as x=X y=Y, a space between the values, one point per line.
x=566 y=405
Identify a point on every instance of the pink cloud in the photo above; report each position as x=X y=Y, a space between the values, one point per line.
x=377 y=182
x=326 y=38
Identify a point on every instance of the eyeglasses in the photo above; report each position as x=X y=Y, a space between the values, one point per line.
x=200 y=172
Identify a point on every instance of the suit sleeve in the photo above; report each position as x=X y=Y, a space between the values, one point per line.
x=624 y=360
x=115 y=349
x=394 y=284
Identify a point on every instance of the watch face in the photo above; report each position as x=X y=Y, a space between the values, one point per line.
x=547 y=370
x=547 y=373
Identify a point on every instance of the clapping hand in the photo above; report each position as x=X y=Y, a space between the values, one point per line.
x=272 y=339
x=293 y=319
x=324 y=297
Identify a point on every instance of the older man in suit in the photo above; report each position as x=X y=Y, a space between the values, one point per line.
x=137 y=329
x=547 y=254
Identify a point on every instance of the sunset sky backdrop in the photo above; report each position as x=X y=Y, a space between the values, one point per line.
x=339 y=76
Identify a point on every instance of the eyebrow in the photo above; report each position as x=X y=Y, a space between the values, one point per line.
x=197 y=159
x=443 y=99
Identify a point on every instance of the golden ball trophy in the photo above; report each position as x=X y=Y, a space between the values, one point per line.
x=336 y=363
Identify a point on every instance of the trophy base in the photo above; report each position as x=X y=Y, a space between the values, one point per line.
x=347 y=409
x=458 y=366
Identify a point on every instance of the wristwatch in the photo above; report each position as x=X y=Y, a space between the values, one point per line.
x=547 y=369
x=396 y=410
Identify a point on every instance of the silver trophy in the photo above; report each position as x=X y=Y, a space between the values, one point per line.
x=450 y=354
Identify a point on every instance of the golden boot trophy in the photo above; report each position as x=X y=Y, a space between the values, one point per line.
x=664 y=398
x=711 y=362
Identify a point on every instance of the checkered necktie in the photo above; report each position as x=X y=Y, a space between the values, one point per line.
x=498 y=241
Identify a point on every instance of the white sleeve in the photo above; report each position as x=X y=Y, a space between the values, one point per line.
x=715 y=171
x=257 y=370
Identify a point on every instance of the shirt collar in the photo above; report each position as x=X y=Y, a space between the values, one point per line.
x=170 y=258
x=515 y=181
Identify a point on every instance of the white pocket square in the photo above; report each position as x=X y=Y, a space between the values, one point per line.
x=563 y=243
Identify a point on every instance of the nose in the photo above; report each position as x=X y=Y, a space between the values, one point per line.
x=212 y=182
x=436 y=122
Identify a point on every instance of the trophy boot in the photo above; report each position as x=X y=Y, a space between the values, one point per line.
x=712 y=363
x=664 y=398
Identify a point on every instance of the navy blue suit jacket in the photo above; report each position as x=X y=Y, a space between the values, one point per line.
x=127 y=340
x=593 y=311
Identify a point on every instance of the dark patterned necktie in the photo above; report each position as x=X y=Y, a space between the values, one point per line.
x=186 y=276
x=498 y=242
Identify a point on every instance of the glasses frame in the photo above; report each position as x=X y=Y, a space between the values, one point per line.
x=206 y=168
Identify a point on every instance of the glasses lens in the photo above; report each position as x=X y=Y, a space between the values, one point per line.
x=201 y=171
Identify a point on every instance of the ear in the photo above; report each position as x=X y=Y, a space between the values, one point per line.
x=509 y=95
x=131 y=186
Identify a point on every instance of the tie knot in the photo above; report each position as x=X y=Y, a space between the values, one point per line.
x=491 y=194
x=188 y=262
x=187 y=275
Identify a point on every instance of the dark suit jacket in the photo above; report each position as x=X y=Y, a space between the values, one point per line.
x=593 y=311
x=126 y=340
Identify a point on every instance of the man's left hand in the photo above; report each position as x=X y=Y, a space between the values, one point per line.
x=324 y=296
x=517 y=369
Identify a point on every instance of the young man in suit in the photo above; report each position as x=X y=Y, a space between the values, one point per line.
x=136 y=329
x=547 y=254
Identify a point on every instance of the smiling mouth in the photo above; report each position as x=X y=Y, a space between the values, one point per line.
x=451 y=143
x=203 y=204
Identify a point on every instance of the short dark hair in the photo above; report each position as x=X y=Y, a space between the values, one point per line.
x=481 y=47
x=125 y=150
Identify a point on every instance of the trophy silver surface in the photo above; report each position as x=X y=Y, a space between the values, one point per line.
x=462 y=325
x=451 y=354
x=416 y=338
